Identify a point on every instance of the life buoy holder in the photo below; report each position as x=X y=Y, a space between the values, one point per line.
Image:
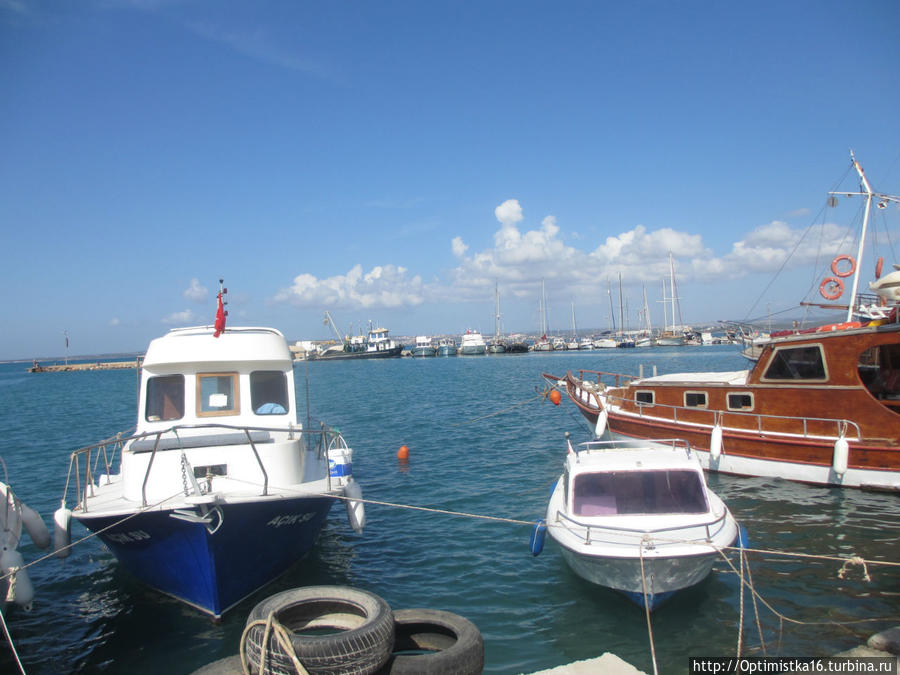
x=837 y=271
x=831 y=288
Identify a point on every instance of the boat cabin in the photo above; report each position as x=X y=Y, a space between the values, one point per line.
x=191 y=377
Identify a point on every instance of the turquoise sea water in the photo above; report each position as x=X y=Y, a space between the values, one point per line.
x=90 y=616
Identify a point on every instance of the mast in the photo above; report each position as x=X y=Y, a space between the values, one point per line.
x=574 y=329
x=497 y=299
x=665 y=309
x=647 y=325
x=545 y=321
x=672 y=283
x=612 y=314
x=869 y=194
x=862 y=236
x=621 y=307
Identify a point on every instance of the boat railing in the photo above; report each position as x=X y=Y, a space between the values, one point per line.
x=675 y=444
x=593 y=533
x=757 y=422
x=316 y=440
x=607 y=379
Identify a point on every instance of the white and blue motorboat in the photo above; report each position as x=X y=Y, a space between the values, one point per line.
x=638 y=519
x=424 y=346
x=219 y=489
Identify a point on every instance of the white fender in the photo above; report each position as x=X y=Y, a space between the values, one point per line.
x=35 y=527
x=841 y=456
x=20 y=590
x=715 y=442
x=601 y=422
x=356 y=511
x=62 y=532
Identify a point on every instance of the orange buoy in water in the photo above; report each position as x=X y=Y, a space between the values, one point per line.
x=403 y=453
x=555 y=397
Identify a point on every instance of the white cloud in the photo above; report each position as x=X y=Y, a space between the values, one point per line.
x=509 y=212
x=459 y=247
x=180 y=318
x=114 y=321
x=767 y=247
x=195 y=292
x=384 y=286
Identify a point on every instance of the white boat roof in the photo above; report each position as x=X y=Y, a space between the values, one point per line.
x=734 y=377
x=632 y=459
x=197 y=345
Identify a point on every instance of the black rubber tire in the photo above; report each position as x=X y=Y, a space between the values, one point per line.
x=453 y=644
x=363 y=644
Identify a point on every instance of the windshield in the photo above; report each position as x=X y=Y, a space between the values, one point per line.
x=634 y=492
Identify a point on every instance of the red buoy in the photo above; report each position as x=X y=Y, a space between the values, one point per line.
x=555 y=397
x=403 y=453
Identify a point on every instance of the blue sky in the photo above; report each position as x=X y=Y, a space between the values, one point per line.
x=394 y=161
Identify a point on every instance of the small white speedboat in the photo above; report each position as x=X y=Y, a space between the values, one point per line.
x=638 y=519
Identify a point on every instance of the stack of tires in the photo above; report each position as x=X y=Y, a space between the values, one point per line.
x=338 y=630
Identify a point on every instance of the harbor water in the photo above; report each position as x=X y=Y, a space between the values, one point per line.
x=482 y=441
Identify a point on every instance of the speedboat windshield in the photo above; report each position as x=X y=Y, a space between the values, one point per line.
x=658 y=491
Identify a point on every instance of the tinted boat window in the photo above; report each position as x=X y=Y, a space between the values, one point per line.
x=165 y=398
x=633 y=492
x=740 y=401
x=695 y=399
x=796 y=363
x=268 y=392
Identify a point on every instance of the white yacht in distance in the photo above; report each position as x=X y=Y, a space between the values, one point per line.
x=472 y=344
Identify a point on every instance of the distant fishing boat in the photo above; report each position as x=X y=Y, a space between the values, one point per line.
x=220 y=489
x=447 y=347
x=376 y=344
x=423 y=346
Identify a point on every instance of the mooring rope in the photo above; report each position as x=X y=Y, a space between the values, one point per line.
x=647 y=609
x=11 y=645
x=283 y=638
x=91 y=535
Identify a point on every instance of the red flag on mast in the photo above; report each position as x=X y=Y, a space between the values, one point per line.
x=220 y=317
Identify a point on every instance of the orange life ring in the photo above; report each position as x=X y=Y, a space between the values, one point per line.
x=850 y=270
x=831 y=288
x=878 y=266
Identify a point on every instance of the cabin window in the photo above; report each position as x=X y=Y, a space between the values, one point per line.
x=796 y=363
x=165 y=398
x=268 y=392
x=695 y=399
x=639 y=492
x=740 y=401
x=644 y=397
x=879 y=371
x=217 y=394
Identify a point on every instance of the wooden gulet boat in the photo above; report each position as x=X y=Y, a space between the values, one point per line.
x=819 y=406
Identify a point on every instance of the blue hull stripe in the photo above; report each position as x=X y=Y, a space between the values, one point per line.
x=256 y=542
